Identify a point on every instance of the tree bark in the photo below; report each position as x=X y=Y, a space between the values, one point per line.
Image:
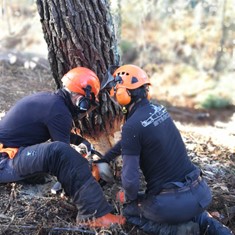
x=81 y=33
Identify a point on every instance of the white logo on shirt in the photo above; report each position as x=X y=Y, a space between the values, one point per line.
x=158 y=116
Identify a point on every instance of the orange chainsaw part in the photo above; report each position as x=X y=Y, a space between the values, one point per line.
x=95 y=172
x=11 y=152
x=120 y=197
x=94 y=169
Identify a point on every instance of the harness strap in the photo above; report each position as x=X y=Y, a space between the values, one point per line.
x=11 y=152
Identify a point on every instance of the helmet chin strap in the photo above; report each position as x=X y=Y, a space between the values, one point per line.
x=65 y=88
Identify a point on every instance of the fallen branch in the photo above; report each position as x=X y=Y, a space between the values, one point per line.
x=199 y=116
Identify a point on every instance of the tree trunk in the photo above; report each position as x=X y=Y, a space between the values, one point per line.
x=220 y=53
x=81 y=33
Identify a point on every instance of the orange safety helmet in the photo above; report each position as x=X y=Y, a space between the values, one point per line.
x=77 y=79
x=128 y=77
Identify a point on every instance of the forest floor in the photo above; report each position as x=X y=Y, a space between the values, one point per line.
x=209 y=136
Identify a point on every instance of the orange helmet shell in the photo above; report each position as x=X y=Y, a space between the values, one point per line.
x=77 y=79
x=132 y=76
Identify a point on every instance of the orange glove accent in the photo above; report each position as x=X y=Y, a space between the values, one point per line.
x=120 y=197
x=95 y=172
x=11 y=152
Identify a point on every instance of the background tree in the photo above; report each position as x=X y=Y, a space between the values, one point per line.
x=81 y=33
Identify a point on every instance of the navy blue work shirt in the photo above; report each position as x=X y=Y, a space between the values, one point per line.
x=36 y=119
x=151 y=134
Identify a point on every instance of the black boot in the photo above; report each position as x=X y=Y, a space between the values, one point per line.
x=150 y=227
x=189 y=228
x=210 y=226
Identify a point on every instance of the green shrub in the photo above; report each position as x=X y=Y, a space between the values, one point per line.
x=216 y=102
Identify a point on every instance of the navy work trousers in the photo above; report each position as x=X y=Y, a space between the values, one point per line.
x=60 y=160
x=179 y=202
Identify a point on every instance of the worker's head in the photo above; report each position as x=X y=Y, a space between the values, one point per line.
x=130 y=84
x=83 y=85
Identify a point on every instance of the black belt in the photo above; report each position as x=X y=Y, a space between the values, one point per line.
x=183 y=189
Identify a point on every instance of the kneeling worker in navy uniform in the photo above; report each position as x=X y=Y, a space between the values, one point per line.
x=25 y=150
x=175 y=192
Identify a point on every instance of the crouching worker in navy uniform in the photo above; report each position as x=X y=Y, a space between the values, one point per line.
x=26 y=152
x=176 y=195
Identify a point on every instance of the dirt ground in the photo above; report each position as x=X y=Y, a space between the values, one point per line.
x=208 y=134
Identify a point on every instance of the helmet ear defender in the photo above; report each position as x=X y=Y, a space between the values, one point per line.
x=84 y=104
x=123 y=96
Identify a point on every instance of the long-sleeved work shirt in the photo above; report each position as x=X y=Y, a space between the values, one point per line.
x=151 y=142
x=38 y=118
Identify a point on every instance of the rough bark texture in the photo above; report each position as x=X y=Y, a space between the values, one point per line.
x=81 y=33
x=78 y=33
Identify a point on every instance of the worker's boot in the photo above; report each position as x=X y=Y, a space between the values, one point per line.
x=105 y=221
x=210 y=226
x=148 y=226
x=189 y=228
x=93 y=208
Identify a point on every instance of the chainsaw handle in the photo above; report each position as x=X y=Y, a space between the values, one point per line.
x=93 y=151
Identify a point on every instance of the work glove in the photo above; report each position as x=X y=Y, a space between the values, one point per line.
x=102 y=171
x=105 y=172
x=85 y=148
x=120 y=197
x=104 y=168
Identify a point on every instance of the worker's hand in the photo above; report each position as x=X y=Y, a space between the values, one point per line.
x=105 y=172
x=85 y=148
x=120 y=197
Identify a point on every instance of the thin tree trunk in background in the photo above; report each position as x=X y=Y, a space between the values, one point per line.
x=81 y=33
x=222 y=40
